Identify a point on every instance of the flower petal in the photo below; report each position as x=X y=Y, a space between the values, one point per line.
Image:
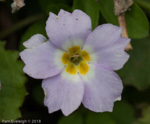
x=107 y=44
x=61 y=93
x=66 y=28
x=101 y=90
x=34 y=41
x=43 y=61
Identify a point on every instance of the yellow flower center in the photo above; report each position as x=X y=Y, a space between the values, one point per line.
x=76 y=60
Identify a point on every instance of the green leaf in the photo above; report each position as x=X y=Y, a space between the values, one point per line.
x=91 y=7
x=136 y=71
x=99 y=118
x=145 y=115
x=36 y=28
x=144 y=4
x=137 y=122
x=145 y=118
x=136 y=20
x=38 y=94
x=12 y=79
x=54 y=5
x=55 y=8
x=107 y=10
x=123 y=113
x=74 y=118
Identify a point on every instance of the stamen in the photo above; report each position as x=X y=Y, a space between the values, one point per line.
x=76 y=55
x=75 y=60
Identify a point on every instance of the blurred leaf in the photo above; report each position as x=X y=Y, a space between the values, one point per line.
x=123 y=113
x=137 y=122
x=107 y=10
x=99 y=118
x=145 y=119
x=38 y=94
x=145 y=115
x=55 y=8
x=136 y=20
x=134 y=95
x=31 y=8
x=12 y=78
x=136 y=71
x=144 y=4
x=91 y=7
x=36 y=28
x=74 y=118
x=54 y=5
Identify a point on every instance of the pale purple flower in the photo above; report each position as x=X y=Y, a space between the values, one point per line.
x=77 y=63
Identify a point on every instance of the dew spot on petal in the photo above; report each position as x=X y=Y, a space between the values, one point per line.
x=57 y=17
x=117 y=54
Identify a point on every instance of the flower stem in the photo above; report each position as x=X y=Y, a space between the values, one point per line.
x=20 y=25
x=122 y=23
x=119 y=6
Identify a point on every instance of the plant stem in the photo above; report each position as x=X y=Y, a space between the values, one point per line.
x=144 y=3
x=122 y=23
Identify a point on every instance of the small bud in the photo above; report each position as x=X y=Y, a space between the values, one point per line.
x=122 y=6
x=16 y=5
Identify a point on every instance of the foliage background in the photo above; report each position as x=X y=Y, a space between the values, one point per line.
x=21 y=97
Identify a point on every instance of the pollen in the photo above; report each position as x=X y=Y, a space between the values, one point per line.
x=75 y=60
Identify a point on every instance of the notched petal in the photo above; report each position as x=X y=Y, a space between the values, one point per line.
x=34 y=41
x=108 y=46
x=62 y=94
x=42 y=61
x=67 y=27
x=102 y=90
